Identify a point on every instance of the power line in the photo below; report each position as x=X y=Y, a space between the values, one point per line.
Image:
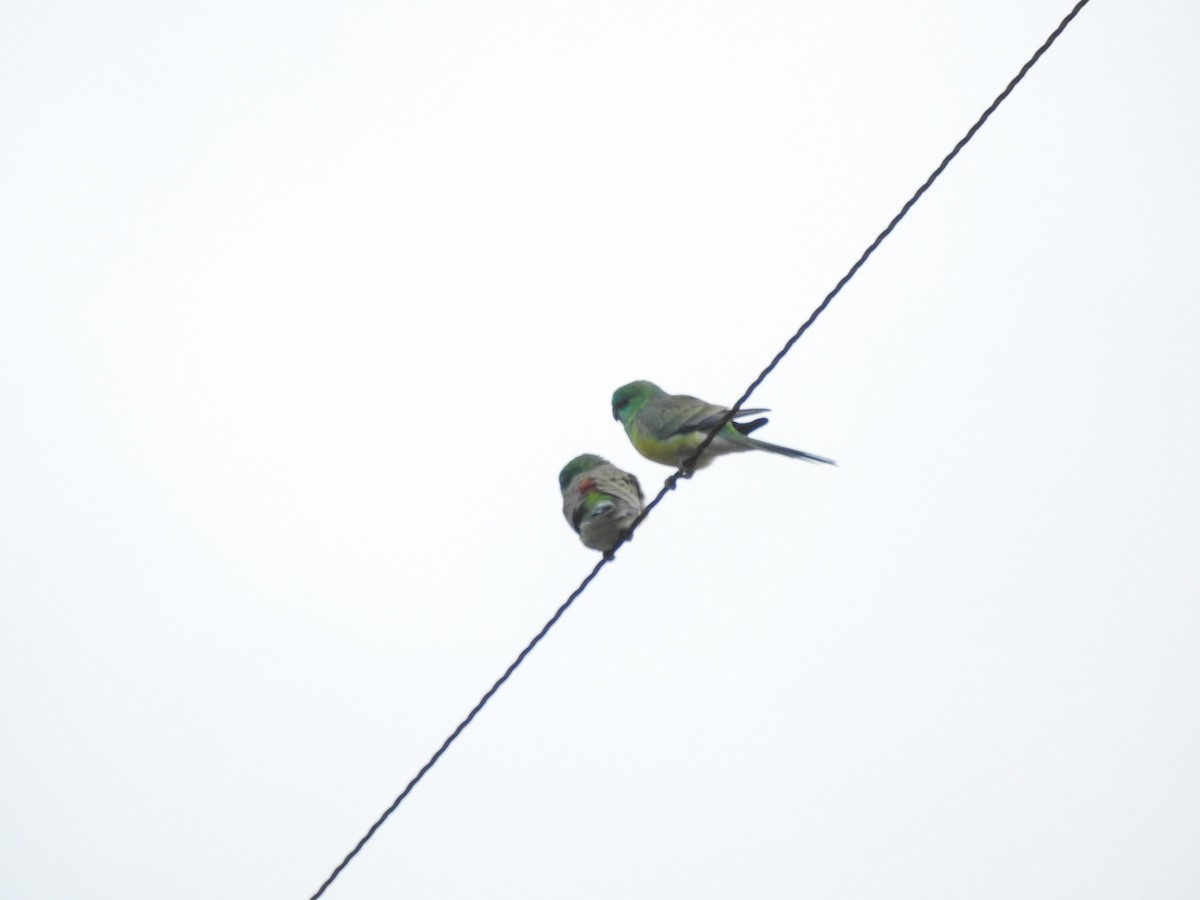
x=933 y=176
x=685 y=470
x=464 y=723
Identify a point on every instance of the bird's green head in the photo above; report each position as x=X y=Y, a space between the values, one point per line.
x=578 y=466
x=628 y=399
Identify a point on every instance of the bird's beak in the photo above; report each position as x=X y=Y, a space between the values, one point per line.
x=616 y=418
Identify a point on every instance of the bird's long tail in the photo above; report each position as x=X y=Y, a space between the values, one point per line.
x=788 y=451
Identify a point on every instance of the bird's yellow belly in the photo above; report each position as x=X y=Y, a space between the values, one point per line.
x=671 y=452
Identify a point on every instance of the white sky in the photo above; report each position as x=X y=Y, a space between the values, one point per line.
x=304 y=308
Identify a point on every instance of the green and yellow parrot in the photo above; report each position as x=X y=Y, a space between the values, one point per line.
x=599 y=500
x=668 y=428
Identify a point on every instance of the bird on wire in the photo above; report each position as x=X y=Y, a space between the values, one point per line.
x=668 y=428
x=600 y=501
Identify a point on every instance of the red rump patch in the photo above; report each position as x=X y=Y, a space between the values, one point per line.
x=586 y=486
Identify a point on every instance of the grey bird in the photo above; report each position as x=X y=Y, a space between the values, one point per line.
x=600 y=501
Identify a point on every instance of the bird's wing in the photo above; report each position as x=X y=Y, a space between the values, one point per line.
x=682 y=414
x=611 y=480
x=666 y=417
x=707 y=422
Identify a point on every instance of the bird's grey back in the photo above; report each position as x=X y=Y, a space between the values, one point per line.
x=674 y=414
x=623 y=485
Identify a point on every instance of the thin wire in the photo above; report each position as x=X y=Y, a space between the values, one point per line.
x=464 y=723
x=685 y=470
x=690 y=462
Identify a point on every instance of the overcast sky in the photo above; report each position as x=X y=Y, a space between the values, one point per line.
x=304 y=306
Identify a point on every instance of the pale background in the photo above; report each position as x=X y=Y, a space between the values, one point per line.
x=304 y=308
